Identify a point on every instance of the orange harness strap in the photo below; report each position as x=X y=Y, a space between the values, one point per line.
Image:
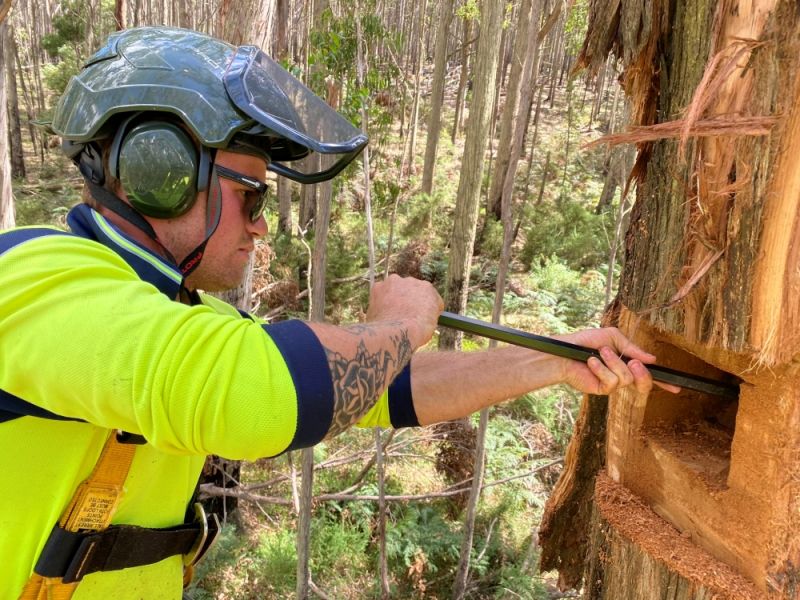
x=91 y=508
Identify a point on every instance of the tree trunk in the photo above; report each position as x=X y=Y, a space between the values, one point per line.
x=319 y=263
x=280 y=50
x=15 y=133
x=507 y=216
x=511 y=110
x=469 y=184
x=119 y=14
x=710 y=285
x=412 y=130
x=462 y=80
x=7 y=219
x=280 y=47
x=28 y=98
x=437 y=95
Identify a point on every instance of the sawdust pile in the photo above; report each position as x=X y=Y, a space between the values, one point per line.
x=633 y=519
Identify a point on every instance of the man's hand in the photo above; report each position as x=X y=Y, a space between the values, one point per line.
x=412 y=301
x=603 y=377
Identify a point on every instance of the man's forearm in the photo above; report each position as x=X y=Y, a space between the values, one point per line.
x=363 y=359
x=452 y=385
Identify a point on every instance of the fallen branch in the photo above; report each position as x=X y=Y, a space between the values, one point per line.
x=209 y=490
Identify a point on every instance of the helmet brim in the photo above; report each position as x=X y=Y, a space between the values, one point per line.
x=267 y=93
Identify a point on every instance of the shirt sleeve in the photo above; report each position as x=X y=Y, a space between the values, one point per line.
x=82 y=336
x=395 y=408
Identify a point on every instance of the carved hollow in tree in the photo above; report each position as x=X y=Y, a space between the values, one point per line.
x=712 y=468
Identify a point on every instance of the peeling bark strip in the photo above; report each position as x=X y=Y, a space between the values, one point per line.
x=718 y=126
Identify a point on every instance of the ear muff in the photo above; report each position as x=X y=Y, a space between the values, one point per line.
x=159 y=167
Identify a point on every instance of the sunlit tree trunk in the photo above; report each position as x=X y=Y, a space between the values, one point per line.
x=15 y=133
x=437 y=95
x=119 y=14
x=7 y=219
x=518 y=95
x=462 y=80
x=469 y=184
x=419 y=33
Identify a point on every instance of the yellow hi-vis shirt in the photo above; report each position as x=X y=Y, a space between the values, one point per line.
x=89 y=331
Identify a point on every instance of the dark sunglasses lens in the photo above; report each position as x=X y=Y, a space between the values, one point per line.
x=258 y=206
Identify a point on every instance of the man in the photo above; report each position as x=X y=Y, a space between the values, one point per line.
x=117 y=376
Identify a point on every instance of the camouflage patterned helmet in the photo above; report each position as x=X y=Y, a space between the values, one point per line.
x=228 y=97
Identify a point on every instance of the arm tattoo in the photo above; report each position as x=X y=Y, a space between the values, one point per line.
x=358 y=380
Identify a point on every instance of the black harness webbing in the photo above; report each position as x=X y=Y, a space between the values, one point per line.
x=73 y=555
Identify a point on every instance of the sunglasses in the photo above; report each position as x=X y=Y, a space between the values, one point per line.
x=255 y=201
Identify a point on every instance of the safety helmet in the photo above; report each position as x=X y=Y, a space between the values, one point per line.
x=223 y=94
x=167 y=98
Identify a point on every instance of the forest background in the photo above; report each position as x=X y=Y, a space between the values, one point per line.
x=477 y=178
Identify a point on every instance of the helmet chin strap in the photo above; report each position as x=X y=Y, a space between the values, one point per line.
x=116 y=205
x=213 y=215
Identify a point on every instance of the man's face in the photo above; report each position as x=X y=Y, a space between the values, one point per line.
x=228 y=251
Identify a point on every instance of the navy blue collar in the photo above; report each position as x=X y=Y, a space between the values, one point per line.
x=90 y=224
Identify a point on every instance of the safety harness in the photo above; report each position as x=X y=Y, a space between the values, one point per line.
x=83 y=541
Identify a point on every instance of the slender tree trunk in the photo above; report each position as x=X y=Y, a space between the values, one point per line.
x=361 y=67
x=304 y=524
x=507 y=216
x=527 y=30
x=317 y=310
x=15 y=133
x=28 y=98
x=462 y=80
x=437 y=95
x=119 y=14
x=462 y=575
x=543 y=183
x=7 y=219
x=469 y=184
x=280 y=50
x=412 y=134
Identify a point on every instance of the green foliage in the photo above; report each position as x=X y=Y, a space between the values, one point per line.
x=568 y=230
x=57 y=75
x=277 y=555
x=421 y=534
x=469 y=10
x=492 y=243
x=340 y=544
x=247 y=568
x=576 y=25
x=333 y=59
x=68 y=41
x=69 y=27
x=522 y=583
x=579 y=295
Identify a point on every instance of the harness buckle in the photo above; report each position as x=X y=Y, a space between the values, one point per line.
x=210 y=530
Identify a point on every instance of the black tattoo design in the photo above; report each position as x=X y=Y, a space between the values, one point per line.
x=358 y=380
